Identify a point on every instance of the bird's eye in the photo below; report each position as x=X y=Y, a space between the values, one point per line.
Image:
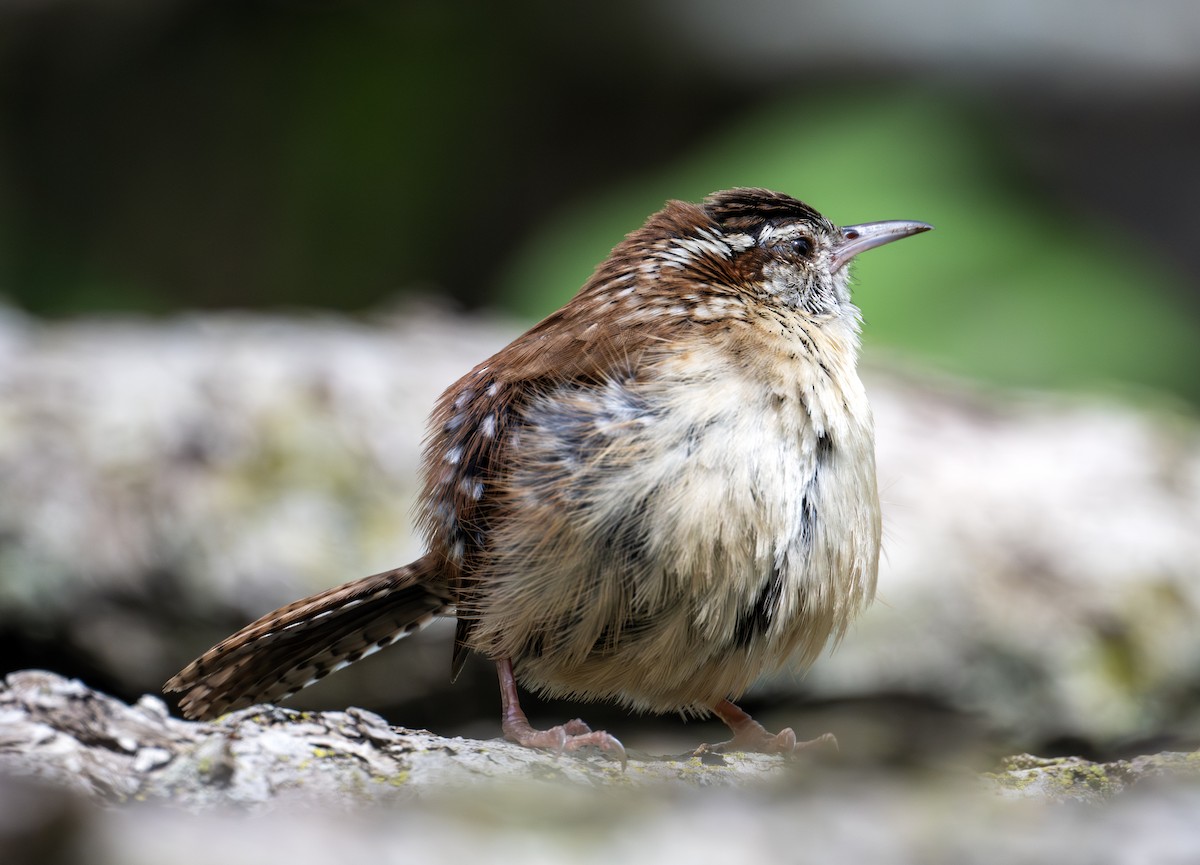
x=800 y=246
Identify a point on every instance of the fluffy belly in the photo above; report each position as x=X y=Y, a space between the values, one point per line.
x=681 y=549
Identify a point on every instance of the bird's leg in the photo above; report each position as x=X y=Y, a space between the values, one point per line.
x=570 y=736
x=749 y=735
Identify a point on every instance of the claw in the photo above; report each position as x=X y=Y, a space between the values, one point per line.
x=783 y=742
x=605 y=742
x=571 y=736
x=751 y=736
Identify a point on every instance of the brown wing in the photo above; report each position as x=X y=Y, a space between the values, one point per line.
x=648 y=284
x=472 y=428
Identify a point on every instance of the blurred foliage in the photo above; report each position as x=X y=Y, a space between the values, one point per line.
x=227 y=154
x=1010 y=286
x=167 y=154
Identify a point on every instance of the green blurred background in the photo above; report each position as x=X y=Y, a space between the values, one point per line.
x=157 y=155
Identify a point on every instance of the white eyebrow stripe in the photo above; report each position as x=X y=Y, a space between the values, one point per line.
x=701 y=245
x=786 y=231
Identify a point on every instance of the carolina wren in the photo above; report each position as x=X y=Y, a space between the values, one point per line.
x=664 y=489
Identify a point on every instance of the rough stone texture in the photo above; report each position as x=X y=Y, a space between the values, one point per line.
x=60 y=731
x=1073 y=779
x=1042 y=561
x=273 y=785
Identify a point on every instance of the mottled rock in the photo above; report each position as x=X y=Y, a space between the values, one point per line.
x=85 y=778
x=60 y=731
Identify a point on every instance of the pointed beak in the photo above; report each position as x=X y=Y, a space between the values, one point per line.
x=858 y=238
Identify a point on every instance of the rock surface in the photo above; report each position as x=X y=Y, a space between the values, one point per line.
x=1073 y=779
x=59 y=730
x=344 y=786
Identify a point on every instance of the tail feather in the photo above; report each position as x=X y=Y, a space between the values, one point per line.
x=296 y=645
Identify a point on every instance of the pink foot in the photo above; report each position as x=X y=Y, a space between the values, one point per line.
x=571 y=736
x=753 y=737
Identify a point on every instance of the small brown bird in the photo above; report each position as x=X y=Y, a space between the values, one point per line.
x=658 y=493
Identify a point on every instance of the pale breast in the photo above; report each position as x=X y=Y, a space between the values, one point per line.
x=668 y=537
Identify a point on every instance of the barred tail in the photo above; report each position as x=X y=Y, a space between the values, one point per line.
x=296 y=645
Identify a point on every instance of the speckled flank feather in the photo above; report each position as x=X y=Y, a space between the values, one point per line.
x=705 y=525
x=628 y=492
